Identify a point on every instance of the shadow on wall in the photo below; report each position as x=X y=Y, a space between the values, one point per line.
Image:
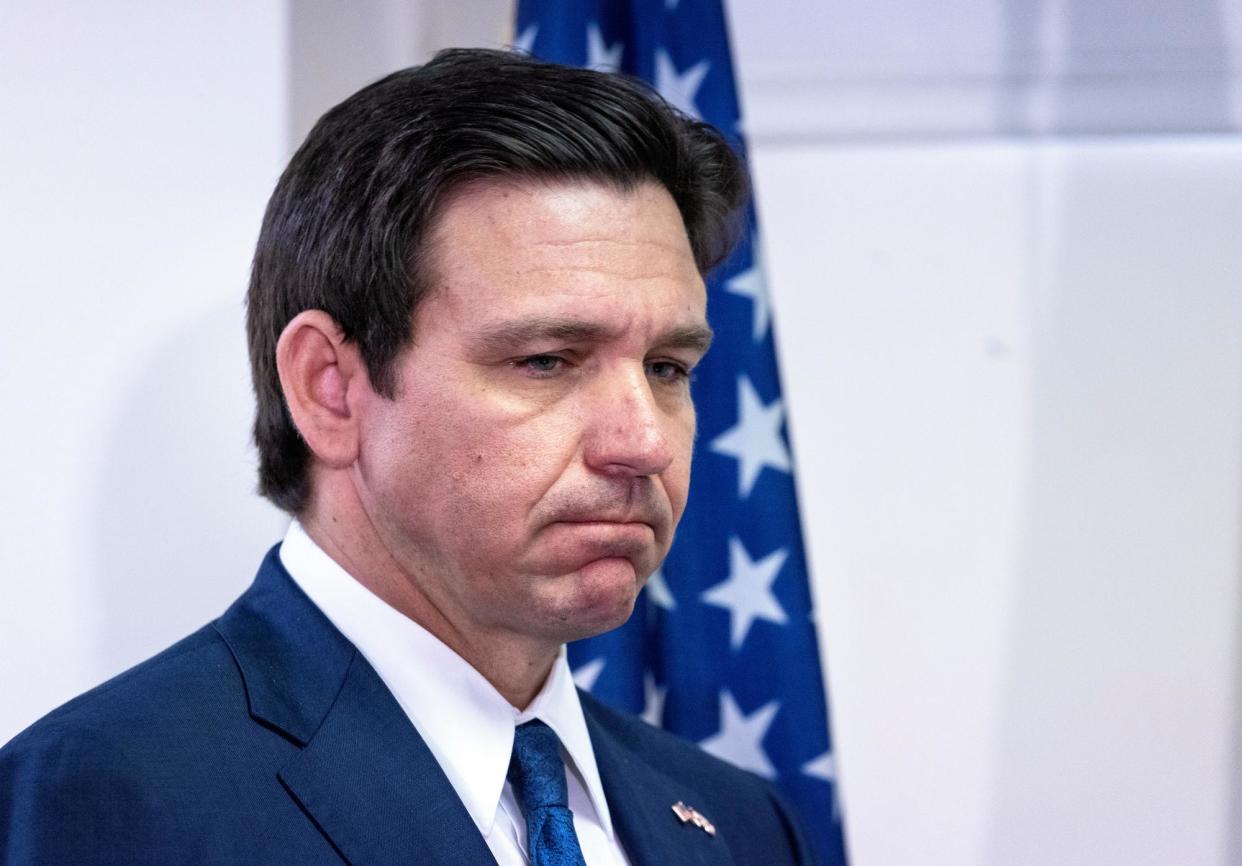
x=1233 y=841
x=1126 y=605
x=1109 y=66
x=179 y=531
x=1112 y=721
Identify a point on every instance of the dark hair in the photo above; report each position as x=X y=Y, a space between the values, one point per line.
x=346 y=226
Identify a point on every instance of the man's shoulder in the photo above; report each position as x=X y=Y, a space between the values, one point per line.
x=147 y=693
x=160 y=763
x=111 y=750
x=188 y=687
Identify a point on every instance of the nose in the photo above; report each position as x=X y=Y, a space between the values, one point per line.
x=628 y=432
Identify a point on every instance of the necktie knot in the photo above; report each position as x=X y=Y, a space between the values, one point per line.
x=538 y=778
x=536 y=770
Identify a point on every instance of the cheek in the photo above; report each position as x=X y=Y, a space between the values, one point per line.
x=677 y=476
x=677 y=484
x=495 y=473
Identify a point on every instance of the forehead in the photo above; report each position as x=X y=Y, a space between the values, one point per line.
x=616 y=260
x=506 y=240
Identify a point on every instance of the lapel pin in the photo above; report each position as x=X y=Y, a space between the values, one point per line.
x=690 y=815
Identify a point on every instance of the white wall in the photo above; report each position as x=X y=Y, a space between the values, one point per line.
x=1013 y=357
x=1016 y=379
x=1003 y=247
x=138 y=150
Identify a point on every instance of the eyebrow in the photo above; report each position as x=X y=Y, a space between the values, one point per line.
x=504 y=336
x=695 y=337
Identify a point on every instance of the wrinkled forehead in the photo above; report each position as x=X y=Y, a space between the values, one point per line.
x=548 y=221
x=589 y=253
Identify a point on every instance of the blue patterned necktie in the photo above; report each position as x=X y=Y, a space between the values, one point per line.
x=538 y=778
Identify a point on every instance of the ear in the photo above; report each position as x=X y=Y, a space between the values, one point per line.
x=318 y=368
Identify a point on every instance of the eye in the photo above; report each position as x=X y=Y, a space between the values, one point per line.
x=540 y=365
x=668 y=371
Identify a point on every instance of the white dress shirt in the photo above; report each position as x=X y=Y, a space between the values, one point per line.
x=466 y=723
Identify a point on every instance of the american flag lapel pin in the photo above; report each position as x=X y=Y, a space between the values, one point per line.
x=690 y=815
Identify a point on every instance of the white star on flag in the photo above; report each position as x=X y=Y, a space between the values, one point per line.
x=679 y=88
x=585 y=676
x=740 y=740
x=658 y=593
x=747 y=593
x=600 y=55
x=750 y=283
x=653 y=700
x=825 y=767
x=525 y=42
x=756 y=440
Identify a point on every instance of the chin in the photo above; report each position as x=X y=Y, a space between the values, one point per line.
x=602 y=598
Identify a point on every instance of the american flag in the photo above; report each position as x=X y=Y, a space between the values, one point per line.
x=722 y=649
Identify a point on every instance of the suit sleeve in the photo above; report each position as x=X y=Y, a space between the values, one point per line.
x=72 y=797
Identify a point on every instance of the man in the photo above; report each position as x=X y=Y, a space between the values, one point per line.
x=476 y=304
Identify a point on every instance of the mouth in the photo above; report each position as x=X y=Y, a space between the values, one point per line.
x=580 y=541
x=601 y=521
x=651 y=517
x=608 y=529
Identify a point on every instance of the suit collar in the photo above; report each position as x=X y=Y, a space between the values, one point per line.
x=363 y=774
x=467 y=724
x=642 y=797
x=292 y=660
x=373 y=787
x=367 y=779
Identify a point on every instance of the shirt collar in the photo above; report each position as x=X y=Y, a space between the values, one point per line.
x=467 y=724
x=557 y=705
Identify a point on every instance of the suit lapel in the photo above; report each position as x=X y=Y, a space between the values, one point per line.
x=363 y=774
x=640 y=800
x=373 y=787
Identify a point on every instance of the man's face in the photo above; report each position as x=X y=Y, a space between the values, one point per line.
x=531 y=469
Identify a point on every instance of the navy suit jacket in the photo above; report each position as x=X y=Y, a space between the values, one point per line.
x=265 y=737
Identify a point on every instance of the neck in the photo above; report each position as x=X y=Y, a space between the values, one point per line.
x=516 y=666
